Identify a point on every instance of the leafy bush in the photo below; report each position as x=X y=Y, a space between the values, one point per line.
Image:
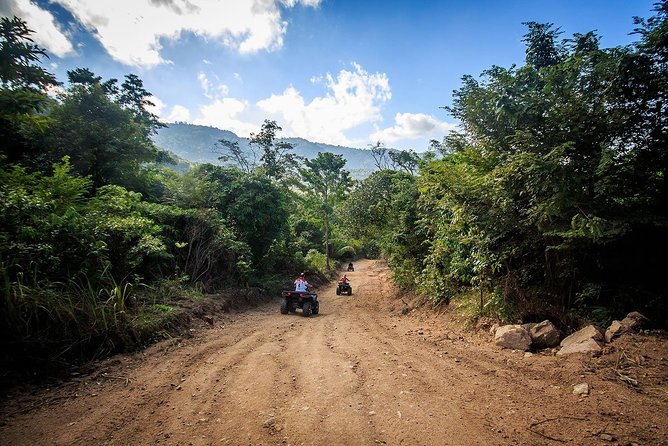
x=317 y=261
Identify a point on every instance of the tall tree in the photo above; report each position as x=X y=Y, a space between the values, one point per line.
x=233 y=154
x=326 y=182
x=379 y=154
x=134 y=97
x=23 y=88
x=543 y=48
x=102 y=138
x=274 y=158
x=20 y=57
x=277 y=157
x=406 y=160
x=253 y=204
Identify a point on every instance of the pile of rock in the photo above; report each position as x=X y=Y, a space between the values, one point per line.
x=545 y=335
x=524 y=337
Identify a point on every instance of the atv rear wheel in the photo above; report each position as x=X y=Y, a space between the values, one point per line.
x=316 y=308
x=307 y=309
x=284 y=306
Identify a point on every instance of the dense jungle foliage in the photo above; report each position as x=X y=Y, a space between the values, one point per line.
x=551 y=200
x=100 y=239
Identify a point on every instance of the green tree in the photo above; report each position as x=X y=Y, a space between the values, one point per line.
x=277 y=158
x=326 y=183
x=23 y=97
x=406 y=160
x=103 y=139
x=379 y=154
x=556 y=185
x=382 y=211
x=134 y=97
x=235 y=156
x=264 y=154
x=251 y=204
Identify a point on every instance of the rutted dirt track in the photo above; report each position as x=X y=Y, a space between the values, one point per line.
x=359 y=373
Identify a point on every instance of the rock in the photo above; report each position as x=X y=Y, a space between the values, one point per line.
x=615 y=329
x=586 y=346
x=208 y=319
x=634 y=321
x=492 y=330
x=607 y=437
x=513 y=337
x=589 y=332
x=581 y=389
x=544 y=335
x=529 y=326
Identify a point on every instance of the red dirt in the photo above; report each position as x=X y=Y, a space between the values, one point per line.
x=359 y=373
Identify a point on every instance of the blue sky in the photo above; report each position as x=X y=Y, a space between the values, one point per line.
x=334 y=71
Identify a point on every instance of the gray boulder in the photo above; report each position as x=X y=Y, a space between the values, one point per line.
x=582 y=341
x=587 y=346
x=589 y=332
x=512 y=336
x=544 y=335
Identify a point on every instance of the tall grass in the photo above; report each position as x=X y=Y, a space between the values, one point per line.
x=47 y=325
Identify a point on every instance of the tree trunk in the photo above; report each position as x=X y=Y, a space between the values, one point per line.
x=327 y=240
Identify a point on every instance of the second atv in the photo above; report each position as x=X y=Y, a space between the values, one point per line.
x=344 y=288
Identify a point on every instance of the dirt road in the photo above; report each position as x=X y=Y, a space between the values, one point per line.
x=359 y=373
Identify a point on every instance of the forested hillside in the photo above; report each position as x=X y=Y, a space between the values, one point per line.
x=551 y=200
x=201 y=144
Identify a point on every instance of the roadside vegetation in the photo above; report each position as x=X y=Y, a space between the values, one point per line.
x=550 y=201
x=103 y=243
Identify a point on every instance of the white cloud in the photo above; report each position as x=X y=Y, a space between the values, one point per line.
x=158 y=105
x=226 y=113
x=131 y=30
x=179 y=113
x=47 y=33
x=413 y=126
x=353 y=99
x=209 y=90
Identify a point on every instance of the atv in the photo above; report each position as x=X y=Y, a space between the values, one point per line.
x=344 y=288
x=306 y=300
x=351 y=267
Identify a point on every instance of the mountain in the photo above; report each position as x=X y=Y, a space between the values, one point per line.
x=197 y=143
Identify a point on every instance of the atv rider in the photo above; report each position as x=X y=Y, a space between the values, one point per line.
x=344 y=279
x=301 y=285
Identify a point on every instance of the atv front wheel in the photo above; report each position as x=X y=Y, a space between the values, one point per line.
x=316 y=308
x=338 y=291
x=350 y=291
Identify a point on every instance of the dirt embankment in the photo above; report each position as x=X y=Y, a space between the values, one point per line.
x=362 y=373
